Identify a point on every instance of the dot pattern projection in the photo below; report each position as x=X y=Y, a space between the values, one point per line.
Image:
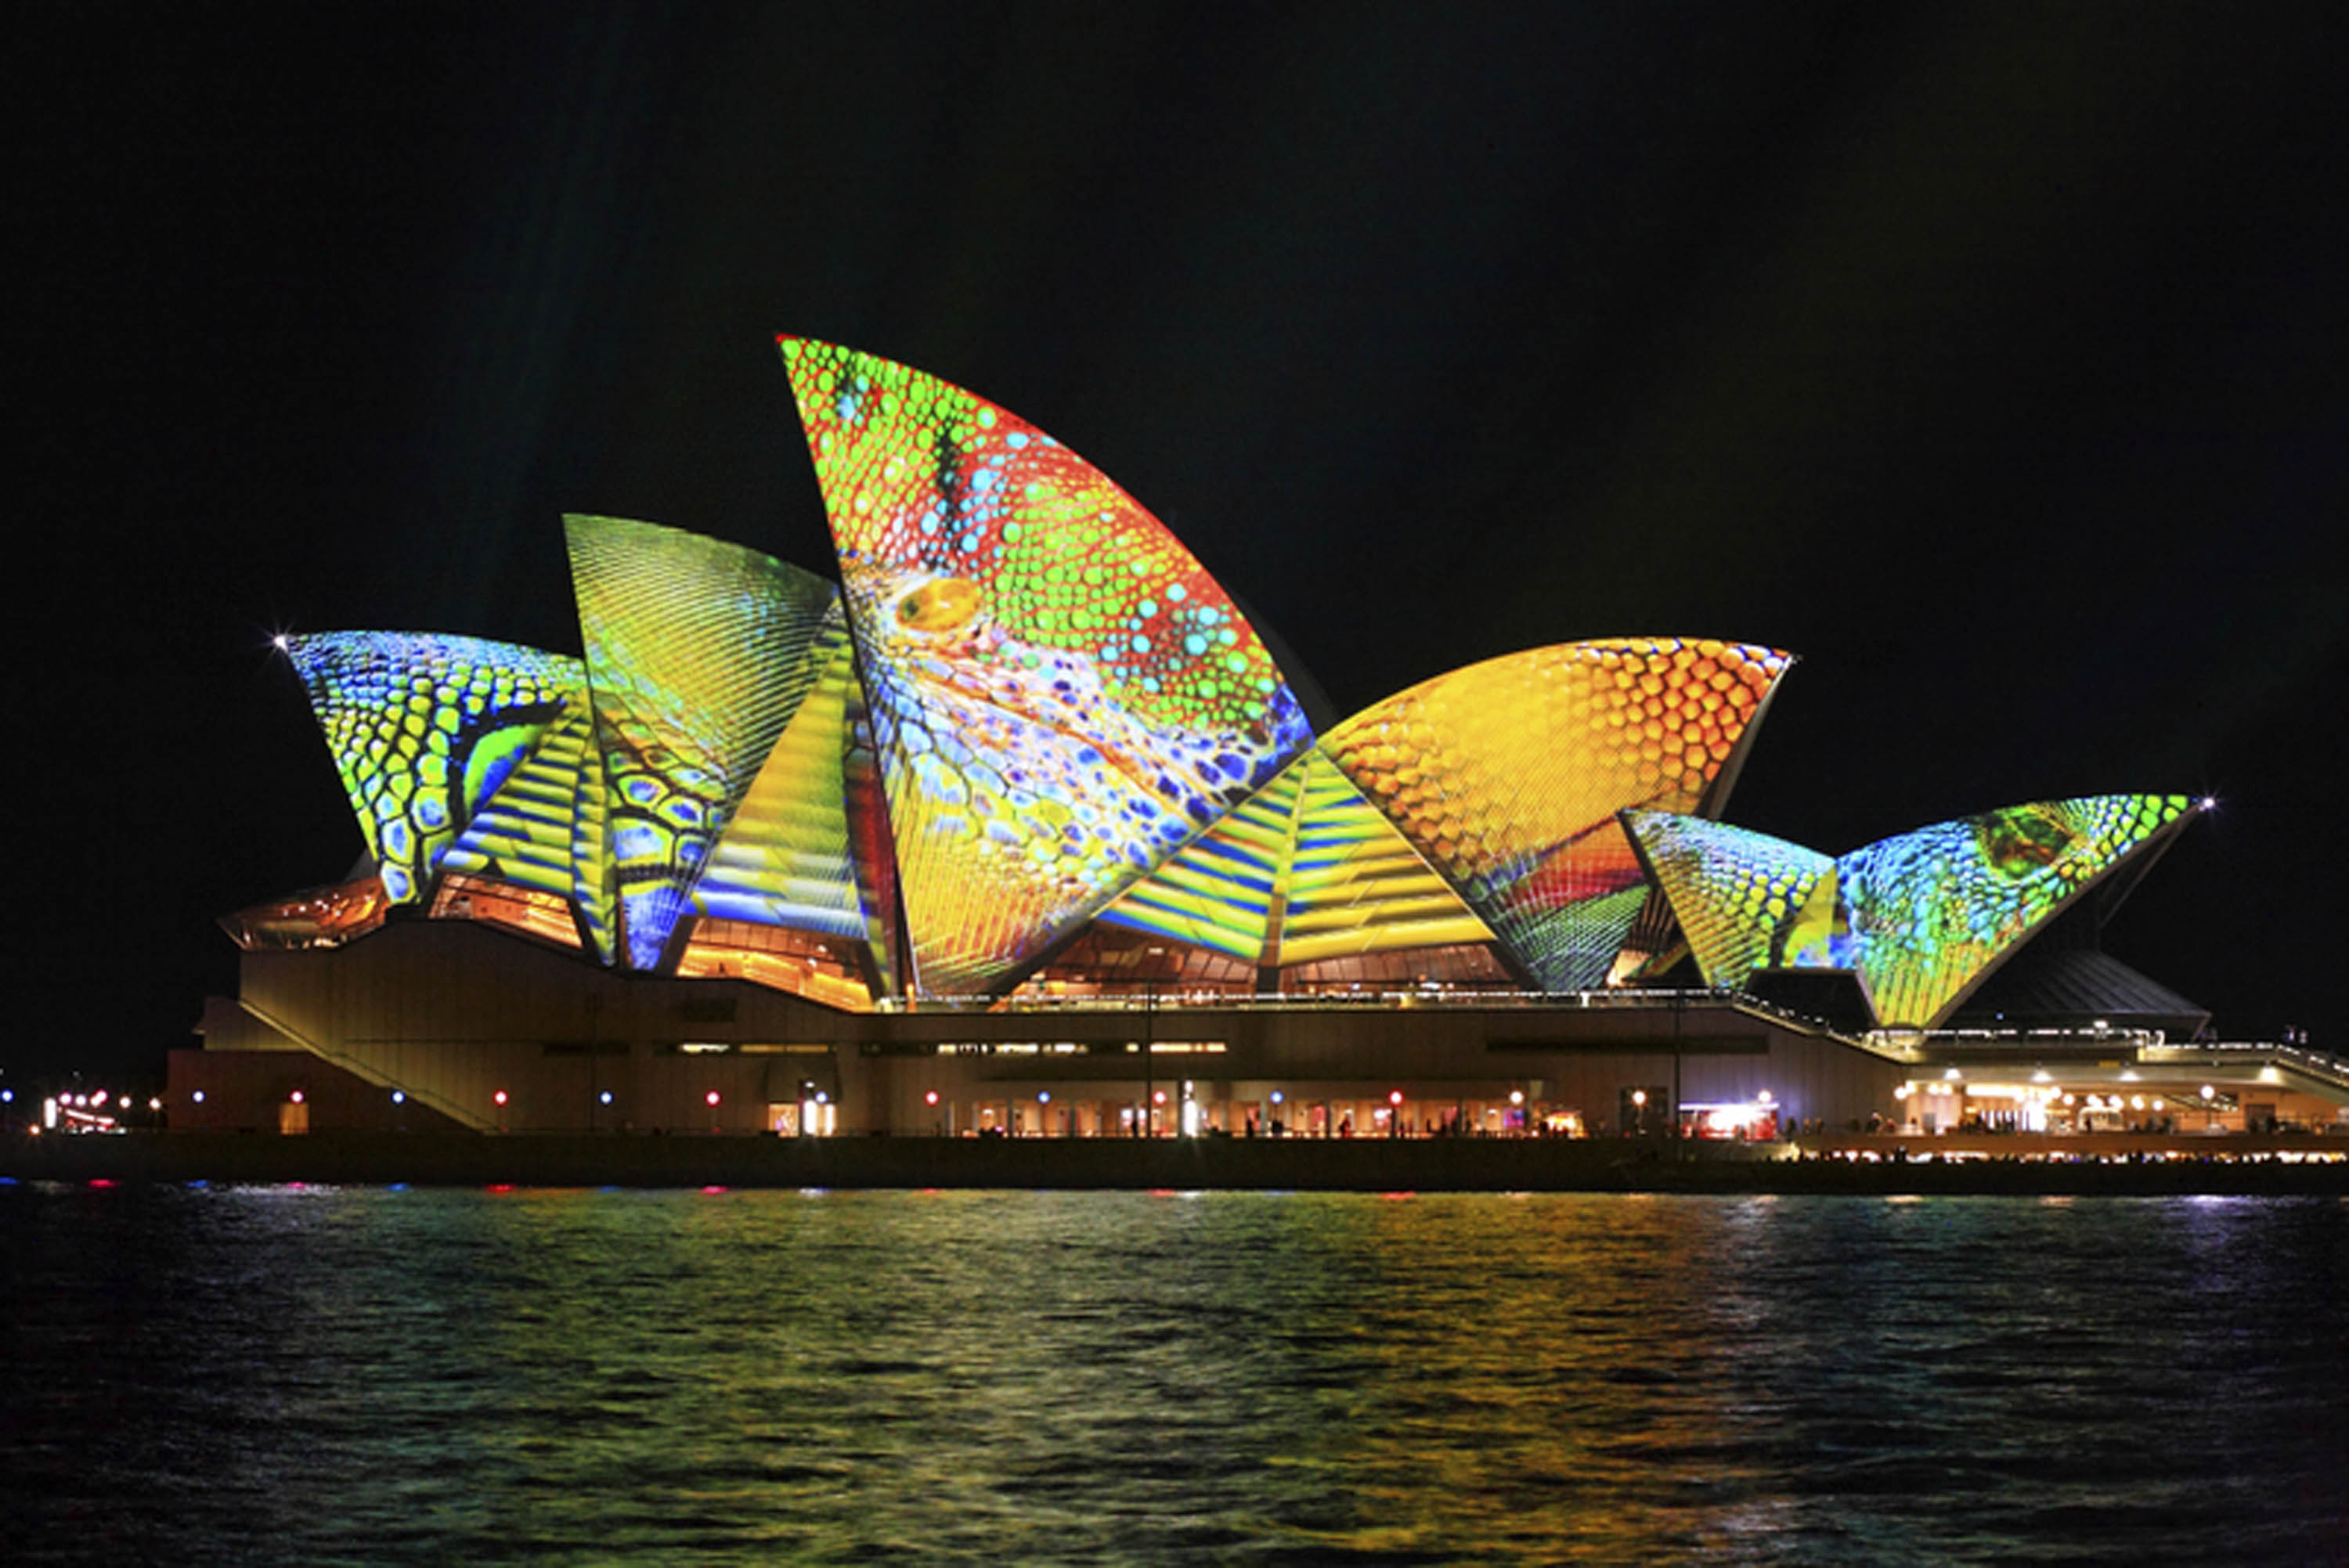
x=1506 y=776
x=1060 y=695
x=423 y=729
x=698 y=657
x=1923 y=916
x=1744 y=900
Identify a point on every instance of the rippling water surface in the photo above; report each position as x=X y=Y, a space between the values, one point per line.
x=359 y=1375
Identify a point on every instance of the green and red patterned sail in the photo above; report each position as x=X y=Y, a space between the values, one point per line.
x=1060 y=695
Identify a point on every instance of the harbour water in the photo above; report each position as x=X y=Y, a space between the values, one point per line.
x=375 y=1374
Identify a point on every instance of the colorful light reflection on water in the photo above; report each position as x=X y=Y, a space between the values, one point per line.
x=282 y=1376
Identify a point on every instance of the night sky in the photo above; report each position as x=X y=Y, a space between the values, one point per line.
x=1991 y=359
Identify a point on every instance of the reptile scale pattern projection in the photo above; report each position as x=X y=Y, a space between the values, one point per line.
x=1026 y=708
x=1922 y=917
x=1061 y=698
x=423 y=729
x=1744 y=900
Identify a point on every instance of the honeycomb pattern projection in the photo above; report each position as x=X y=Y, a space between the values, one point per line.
x=423 y=729
x=1744 y=901
x=522 y=834
x=1924 y=915
x=698 y=656
x=1061 y=698
x=1355 y=885
x=785 y=859
x=1506 y=776
x=1221 y=891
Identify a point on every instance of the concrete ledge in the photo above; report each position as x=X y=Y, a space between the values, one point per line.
x=1360 y=1165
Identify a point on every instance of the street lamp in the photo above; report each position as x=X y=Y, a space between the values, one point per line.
x=1149 y=1040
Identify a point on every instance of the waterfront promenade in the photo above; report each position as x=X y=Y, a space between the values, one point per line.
x=2111 y=1163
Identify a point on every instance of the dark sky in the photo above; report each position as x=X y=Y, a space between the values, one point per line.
x=1992 y=358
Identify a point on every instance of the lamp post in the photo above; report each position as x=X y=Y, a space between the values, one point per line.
x=595 y=1082
x=1149 y=1038
x=1680 y=1005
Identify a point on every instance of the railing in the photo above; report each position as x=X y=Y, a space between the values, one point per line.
x=362 y=1069
x=1924 y=1044
x=2319 y=1064
x=2146 y=1045
x=1616 y=1000
x=1623 y=998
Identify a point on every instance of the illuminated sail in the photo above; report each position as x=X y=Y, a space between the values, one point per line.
x=1506 y=776
x=698 y=653
x=1061 y=697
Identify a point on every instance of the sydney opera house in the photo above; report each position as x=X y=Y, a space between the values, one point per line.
x=1020 y=826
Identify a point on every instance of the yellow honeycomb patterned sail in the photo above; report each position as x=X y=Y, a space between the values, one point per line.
x=1507 y=775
